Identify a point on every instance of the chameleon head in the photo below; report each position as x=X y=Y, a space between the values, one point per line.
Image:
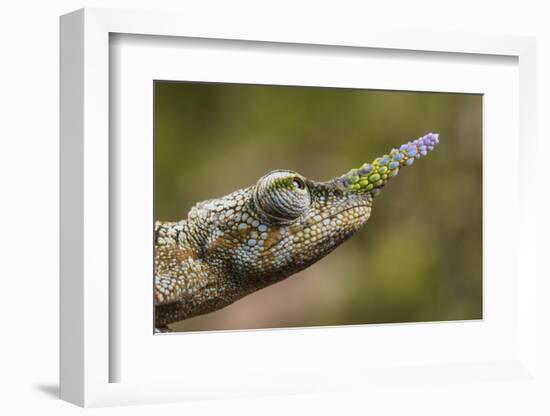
x=286 y=222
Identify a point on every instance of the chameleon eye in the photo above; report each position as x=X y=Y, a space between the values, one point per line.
x=298 y=183
x=276 y=197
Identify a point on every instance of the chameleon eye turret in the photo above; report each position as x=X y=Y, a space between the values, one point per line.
x=254 y=237
x=281 y=196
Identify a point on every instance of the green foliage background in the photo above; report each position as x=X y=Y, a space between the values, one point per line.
x=419 y=257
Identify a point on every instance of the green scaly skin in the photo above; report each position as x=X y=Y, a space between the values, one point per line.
x=232 y=246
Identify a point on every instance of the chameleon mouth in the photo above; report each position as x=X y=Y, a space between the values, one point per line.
x=334 y=215
x=308 y=225
x=347 y=209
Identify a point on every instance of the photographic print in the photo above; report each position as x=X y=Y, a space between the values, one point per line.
x=294 y=206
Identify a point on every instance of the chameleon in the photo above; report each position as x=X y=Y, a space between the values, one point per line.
x=232 y=246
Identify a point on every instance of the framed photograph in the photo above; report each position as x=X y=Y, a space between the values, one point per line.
x=267 y=211
x=285 y=223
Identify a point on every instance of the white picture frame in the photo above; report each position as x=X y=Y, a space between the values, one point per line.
x=87 y=356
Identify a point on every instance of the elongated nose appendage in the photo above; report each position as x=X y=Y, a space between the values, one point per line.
x=371 y=177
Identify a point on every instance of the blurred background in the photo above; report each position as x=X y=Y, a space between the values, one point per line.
x=419 y=257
